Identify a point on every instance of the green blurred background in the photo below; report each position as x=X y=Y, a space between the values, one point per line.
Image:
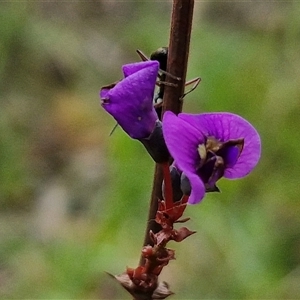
x=73 y=201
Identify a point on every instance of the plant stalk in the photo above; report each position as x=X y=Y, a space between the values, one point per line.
x=181 y=25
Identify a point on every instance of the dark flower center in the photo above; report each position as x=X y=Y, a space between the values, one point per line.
x=215 y=157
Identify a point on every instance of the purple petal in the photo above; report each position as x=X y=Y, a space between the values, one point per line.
x=225 y=126
x=198 y=188
x=130 y=100
x=231 y=156
x=104 y=93
x=151 y=66
x=182 y=141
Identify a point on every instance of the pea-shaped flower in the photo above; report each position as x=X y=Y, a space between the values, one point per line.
x=130 y=101
x=208 y=146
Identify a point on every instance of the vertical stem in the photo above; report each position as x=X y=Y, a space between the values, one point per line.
x=168 y=194
x=155 y=196
x=181 y=25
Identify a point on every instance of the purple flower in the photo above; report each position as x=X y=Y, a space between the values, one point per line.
x=206 y=147
x=129 y=101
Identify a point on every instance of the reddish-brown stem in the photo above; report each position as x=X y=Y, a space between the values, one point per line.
x=181 y=25
x=168 y=187
x=155 y=196
x=142 y=282
x=179 y=46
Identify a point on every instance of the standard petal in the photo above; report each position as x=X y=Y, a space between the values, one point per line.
x=182 y=140
x=226 y=126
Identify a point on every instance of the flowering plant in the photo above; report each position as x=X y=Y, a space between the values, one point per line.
x=204 y=148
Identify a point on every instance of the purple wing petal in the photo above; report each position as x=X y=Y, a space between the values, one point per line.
x=182 y=141
x=225 y=126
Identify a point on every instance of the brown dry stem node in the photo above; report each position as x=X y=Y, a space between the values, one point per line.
x=144 y=278
x=142 y=282
x=160 y=292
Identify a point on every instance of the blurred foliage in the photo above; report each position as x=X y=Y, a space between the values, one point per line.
x=73 y=201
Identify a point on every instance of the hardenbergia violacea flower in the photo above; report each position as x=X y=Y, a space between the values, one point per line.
x=206 y=147
x=130 y=102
